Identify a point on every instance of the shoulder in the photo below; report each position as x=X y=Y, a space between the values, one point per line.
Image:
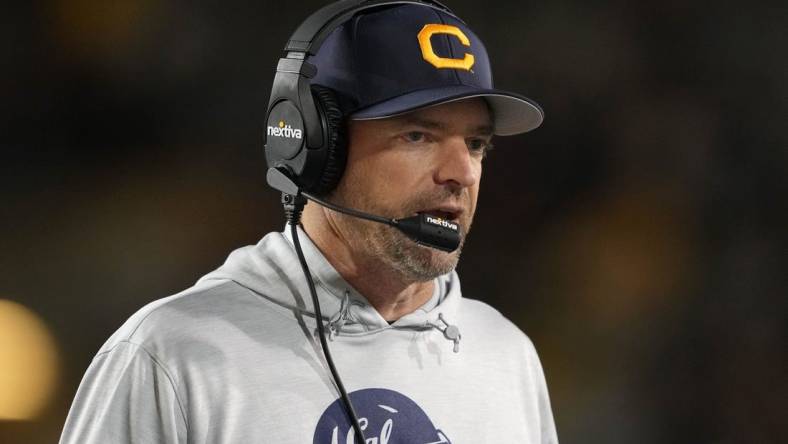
x=167 y=323
x=230 y=306
x=490 y=323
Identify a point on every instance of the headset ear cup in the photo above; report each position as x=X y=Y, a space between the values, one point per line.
x=336 y=148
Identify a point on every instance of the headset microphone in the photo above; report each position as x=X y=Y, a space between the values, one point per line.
x=423 y=228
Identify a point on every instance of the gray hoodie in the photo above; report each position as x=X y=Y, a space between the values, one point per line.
x=236 y=359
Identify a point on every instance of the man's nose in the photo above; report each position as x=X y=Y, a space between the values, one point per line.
x=456 y=166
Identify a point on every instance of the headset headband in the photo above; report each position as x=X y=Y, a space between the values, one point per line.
x=316 y=28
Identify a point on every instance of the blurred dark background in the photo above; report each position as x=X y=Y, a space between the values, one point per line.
x=638 y=237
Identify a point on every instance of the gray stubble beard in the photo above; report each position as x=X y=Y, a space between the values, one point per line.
x=415 y=262
x=386 y=246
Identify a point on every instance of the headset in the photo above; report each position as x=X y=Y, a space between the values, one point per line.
x=314 y=153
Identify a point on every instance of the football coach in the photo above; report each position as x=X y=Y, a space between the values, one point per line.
x=349 y=326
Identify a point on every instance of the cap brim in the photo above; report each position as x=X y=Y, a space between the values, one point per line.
x=512 y=113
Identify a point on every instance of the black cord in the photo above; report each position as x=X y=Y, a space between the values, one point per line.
x=294 y=205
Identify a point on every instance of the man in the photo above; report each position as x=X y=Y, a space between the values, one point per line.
x=235 y=358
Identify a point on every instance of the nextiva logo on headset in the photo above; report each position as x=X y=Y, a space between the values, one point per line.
x=442 y=223
x=285 y=130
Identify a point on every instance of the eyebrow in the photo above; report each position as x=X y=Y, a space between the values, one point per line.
x=484 y=129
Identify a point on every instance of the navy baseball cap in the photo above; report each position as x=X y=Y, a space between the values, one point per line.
x=396 y=59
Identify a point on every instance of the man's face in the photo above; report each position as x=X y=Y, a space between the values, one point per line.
x=427 y=161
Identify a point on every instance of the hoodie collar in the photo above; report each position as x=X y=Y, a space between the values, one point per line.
x=272 y=270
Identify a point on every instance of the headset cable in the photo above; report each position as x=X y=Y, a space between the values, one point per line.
x=294 y=206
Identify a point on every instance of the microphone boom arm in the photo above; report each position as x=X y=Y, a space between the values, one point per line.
x=350 y=211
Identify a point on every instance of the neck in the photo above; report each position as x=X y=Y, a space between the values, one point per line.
x=392 y=294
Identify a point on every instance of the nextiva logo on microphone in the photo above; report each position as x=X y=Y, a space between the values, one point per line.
x=442 y=223
x=385 y=417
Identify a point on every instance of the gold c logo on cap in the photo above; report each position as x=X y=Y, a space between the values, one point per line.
x=443 y=62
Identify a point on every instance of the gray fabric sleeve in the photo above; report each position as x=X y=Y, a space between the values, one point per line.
x=126 y=396
x=546 y=421
x=549 y=435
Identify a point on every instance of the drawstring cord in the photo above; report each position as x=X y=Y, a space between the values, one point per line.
x=340 y=318
x=451 y=332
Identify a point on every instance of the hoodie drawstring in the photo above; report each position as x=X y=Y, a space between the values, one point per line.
x=451 y=332
x=340 y=318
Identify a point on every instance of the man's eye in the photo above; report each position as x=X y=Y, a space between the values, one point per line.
x=415 y=136
x=479 y=146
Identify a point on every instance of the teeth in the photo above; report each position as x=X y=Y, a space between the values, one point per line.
x=441 y=214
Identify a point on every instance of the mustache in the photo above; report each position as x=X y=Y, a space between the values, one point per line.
x=432 y=199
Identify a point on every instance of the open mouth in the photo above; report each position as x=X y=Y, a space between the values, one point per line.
x=443 y=214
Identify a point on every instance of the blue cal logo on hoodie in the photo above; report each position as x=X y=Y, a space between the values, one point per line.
x=385 y=416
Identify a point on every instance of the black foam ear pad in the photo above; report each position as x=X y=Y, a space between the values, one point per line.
x=336 y=141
